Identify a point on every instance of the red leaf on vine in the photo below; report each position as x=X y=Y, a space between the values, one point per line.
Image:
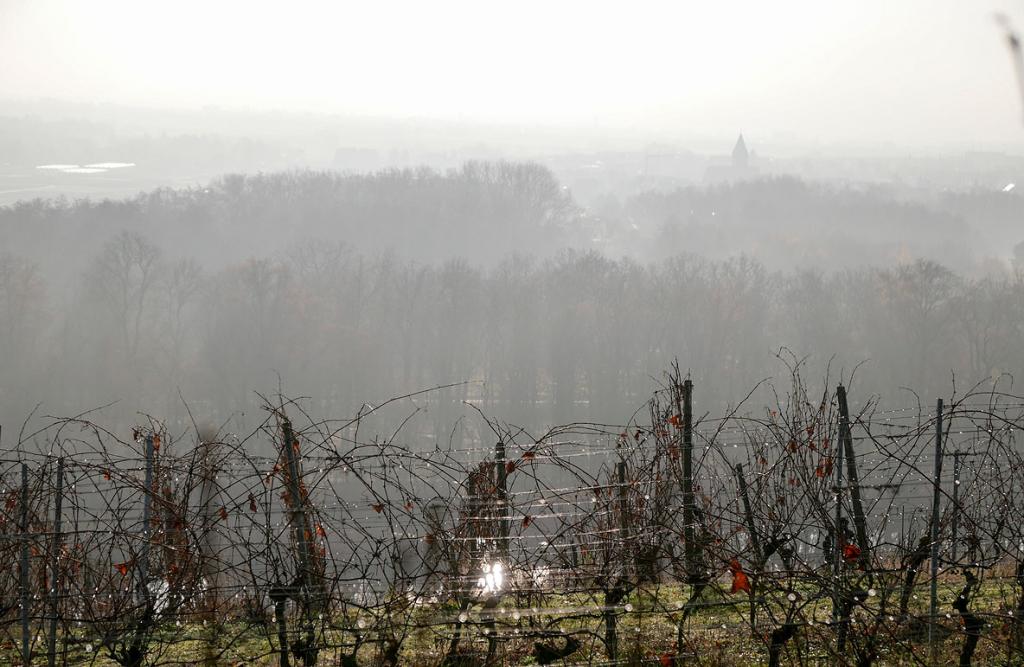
x=851 y=552
x=740 y=582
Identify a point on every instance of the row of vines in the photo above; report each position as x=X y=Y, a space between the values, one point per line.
x=795 y=533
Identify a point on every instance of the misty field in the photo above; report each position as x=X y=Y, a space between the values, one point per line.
x=470 y=334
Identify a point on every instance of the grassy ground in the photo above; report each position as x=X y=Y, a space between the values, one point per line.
x=717 y=633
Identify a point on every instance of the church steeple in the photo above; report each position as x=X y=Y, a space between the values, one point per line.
x=740 y=155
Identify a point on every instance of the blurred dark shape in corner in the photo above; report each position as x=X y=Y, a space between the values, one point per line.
x=1013 y=41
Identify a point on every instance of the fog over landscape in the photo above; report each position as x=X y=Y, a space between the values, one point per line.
x=547 y=203
x=465 y=334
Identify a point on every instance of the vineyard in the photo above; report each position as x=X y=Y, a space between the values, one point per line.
x=819 y=529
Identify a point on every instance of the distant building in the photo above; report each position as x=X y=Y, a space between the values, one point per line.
x=734 y=168
x=740 y=155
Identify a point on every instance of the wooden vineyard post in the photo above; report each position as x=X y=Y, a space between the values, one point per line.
x=147 y=528
x=300 y=523
x=308 y=591
x=837 y=557
x=688 y=504
x=859 y=520
x=26 y=654
x=501 y=473
x=209 y=543
x=611 y=632
x=933 y=609
x=623 y=506
x=55 y=546
x=501 y=485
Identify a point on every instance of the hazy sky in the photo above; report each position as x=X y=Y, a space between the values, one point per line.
x=911 y=72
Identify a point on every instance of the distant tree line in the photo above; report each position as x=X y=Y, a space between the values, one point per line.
x=481 y=212
x=484 y=211
x=577 y=336
x=786 y=222
x=355 y=288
